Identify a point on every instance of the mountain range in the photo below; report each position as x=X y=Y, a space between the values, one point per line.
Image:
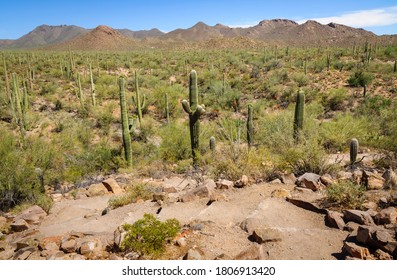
x=281 y=31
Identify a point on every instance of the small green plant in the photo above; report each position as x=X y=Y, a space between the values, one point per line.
x=133 y=193
x=148 y=236
x=362 y=79
x=346 y=195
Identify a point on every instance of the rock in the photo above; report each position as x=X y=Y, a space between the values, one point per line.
x=119 y=235
x=303 y=190
x=266 y=234
x=386 y=216
x=241 y=183
x=112 y=186
x=32 y=215
x=195 y=254
x=170 y=190
x=223 y=257
x=372 y=181
x=81 y=195
x=390 y=179
x=253 y=252
x=283 y=193
x=162 y=196
x=224 y=184
x=7 y=253
x=105 y=211
x=381 y=255
x=97 y=190
x=307 y=205
x=57 y=197
x=68 y=245
x=181 y=242
x=357 y=176
x=377 y=238
x=179 y=183
x=114 y=257
x=335 y=220
x=250 y=224
x=90 y=247
x=19 y=225
x=36 y=255
x=132 y=256
x=275 y=182
x=3 y=221
x=327 y=180
x=309 y=181
x=370 y=205
x=23 y=253
x=342 y=175
x=288 y=179
x=205 y=190
x=59 y=255
x=355 y=250
x=361 y=217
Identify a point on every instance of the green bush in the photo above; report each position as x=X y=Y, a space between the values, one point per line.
x=175 y=144
x=345 y=195
x=133 y=193
x=148 y=236
x=360 y=78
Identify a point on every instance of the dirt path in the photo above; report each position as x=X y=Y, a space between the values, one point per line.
x=303 y=233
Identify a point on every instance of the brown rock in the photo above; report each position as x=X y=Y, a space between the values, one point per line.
x=310 y=181
x=266 y=234
x=163 y=196
x=97 y=190
x=361 y=217
x=119 y=235
x=386 y=216
x=194 y=253
x=112 y=186
x=275 y=182
x=372 y=181
x=377 y=238
x=223 y=257
x=370 y=205
x=335 y=220
x=68 y=245
x=288 y=179
x=91 y=248
x=357 y=176
x=224 y=184
x=170 y=190
x=181 y=242
x=3 y=221
x=32 y=215
x=51 y=243
x=355 y=250
x=342 y=175
x=250 y=224
x=282 y=193
x=59 y=255
x=205 y=190
x=253 y=252
x=19 y=225
x=23 y=253
x=381 y=255
x=351 y=227
x=327 y=180
x=241 y=183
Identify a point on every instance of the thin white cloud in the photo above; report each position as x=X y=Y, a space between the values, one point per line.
x=243 y=25
x=363 y=18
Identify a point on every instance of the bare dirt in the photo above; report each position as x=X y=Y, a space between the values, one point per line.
x=303 y=233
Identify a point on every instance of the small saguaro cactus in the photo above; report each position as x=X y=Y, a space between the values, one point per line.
x=139 y=103
x=250 y=127
x=124 y=123
x=167 y=112
x=353 y=150
x=195 y=111
x=299 y=112
x=212 y=144
x=93 y=97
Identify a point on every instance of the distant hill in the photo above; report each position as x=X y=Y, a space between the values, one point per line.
x=279 y=31
x=99 y=39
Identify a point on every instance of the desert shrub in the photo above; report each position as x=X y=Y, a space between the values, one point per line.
x=335 y=99
x=175 y=144
x=133 y=193
x=345 y=194
x=300 y=79
x=360 y=78
x=148 y=236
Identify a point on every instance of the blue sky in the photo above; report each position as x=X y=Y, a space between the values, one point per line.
x=20 y=17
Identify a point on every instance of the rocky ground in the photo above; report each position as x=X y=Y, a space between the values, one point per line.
x=283 y=219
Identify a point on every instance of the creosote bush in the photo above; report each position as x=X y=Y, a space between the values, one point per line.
x=148 y=236
x=346 y=195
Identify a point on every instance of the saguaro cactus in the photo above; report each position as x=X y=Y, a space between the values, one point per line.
x=250 y=127
x=93 y=97
x=353 y=150
x=167 y=112
x=212 y=144
x=124 y=123
x=139 y=104
x=195 y=111
x=299 y=112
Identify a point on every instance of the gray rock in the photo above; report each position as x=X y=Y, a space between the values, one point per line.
x=310 y=181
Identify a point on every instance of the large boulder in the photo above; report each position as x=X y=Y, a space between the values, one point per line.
x=358 y=216
x=32 y=215
x=372 y=181
x=266 y=234
x=310 y=181
x=112 y=186
x=386 y=216
x=334 y=219
x=97 y=190
x=356 y=251
x=377 y=238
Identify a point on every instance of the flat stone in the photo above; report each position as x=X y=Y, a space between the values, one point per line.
x=19 y=225
x=327 y=180
x=372 y=181
x=310 y=181
x=194 y=254
x=224 y=184
x=32 y=215
x=97 y=190
x=358 y=216
x=266 y=234
x=253 y=252
x=307 y=205
x=288 y=179
x=281 y=193
x=355 y=250
x=381 y=255
x=68 y=245
x=335 y=220
x=386 y=216
x=23 y=253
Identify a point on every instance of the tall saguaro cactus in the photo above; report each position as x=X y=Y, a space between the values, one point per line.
x=195 y=111
x=139 y=103
x=299 y=112
x=250 y=127
x=353 y=150
x=93 y=97
x=124 y=123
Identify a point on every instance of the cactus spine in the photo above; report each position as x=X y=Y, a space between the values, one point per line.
x=212 y=144
x=195 y=111
x=353 y=150
x=137 y=101
x=299 y=112
x=250 y=127
x=124 y=123
x=93 y=97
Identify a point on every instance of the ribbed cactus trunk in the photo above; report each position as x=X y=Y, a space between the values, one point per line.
x=16 y=98
x=328 y=61
x=80 y=93
x=353 y=150
x=167 y=112
x=124 y=124
x=93 y=94
x=195 y=111
x=250 y=127
x=212 y=144
x=299 y=113
x=139 y=104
